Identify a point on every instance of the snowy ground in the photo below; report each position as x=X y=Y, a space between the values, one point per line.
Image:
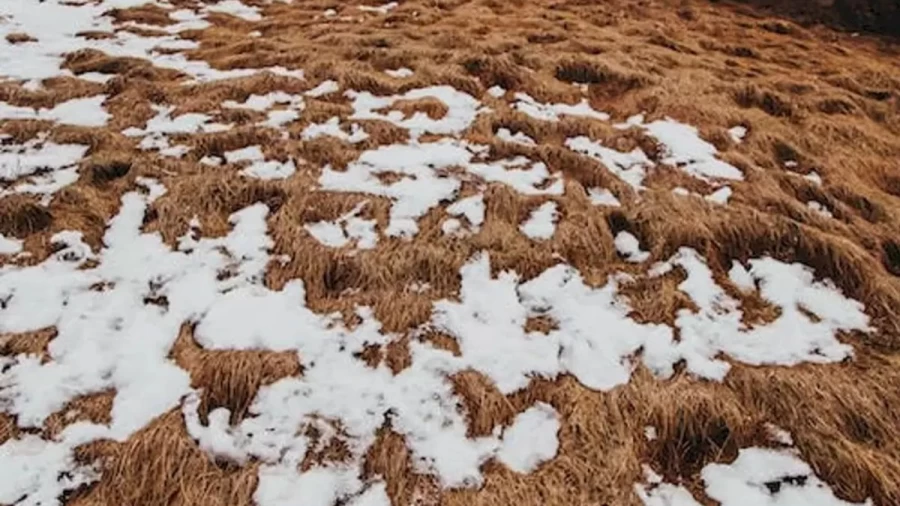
x=110 y=338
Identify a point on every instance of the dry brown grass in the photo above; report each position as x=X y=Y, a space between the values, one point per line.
x=826 y=100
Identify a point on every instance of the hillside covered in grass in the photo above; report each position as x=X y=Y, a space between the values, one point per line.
x=449 y=252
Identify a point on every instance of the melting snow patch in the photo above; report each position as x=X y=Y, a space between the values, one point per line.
x=381 y=9
x=551 y=112
x=470 y=207
x=400 y=73
x=779 y=435
x=629 y=167
x=534 y=180
x=105 y=339
x=659 y=493
x=737 y=133
x=37 y=472
x=720 y=196
x=164 y=124
x=628 y=246
x=420 y=188
x=324 y=88
x=265 y=102
x=757 y=476
x=603 y=197
x=270 y=169
x=791 y=339
x=279 y=118
x=35 y=155
x=9 y=246
x=819 y=208
x=542 y=223
x=59 y=25
x=332 y=128
x=235 y=8
x=496 y=91
x=814 y=178
x=247 y=154
x=632 y=121
x=764 y=476
x=375 y=495
x=500 y=308
x=741 y=277
x=686 y=150
x=259 y=167
x=77 y=111
x=531 y=439
x=347 y=228
x=461 y=110
x=505 y=135
x=451 y=226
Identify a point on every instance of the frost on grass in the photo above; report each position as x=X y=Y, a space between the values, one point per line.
x=758 y=476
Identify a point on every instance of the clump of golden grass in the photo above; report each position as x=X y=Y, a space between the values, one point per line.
x=825 y=101
x=19 y=38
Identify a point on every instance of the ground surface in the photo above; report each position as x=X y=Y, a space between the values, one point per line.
x=446 y=252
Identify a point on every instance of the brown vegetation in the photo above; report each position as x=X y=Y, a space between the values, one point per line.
x=823 y=100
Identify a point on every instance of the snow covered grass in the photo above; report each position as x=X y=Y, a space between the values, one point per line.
x=757 y=476
x=497 y=278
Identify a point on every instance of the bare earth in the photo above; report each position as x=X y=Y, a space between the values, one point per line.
x=803 y=166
